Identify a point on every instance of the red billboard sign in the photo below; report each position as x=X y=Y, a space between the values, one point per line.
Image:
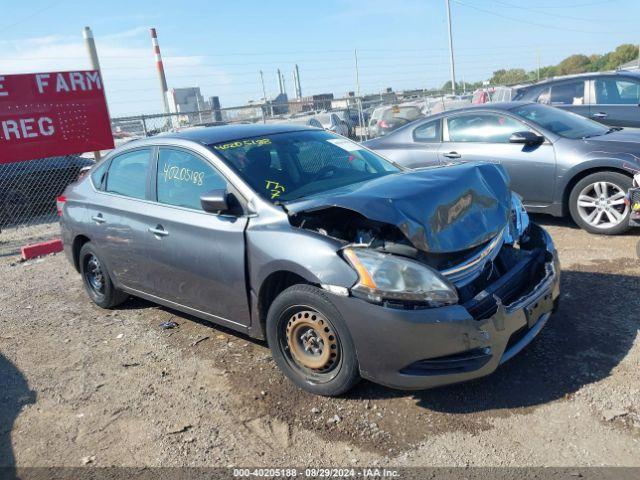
x=53 y=113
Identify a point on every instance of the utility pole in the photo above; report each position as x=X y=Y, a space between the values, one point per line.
x=264 y=97
x=87 y=34
x=358 y=99
x=538 y=60
x=160 y=67
x=453 y=67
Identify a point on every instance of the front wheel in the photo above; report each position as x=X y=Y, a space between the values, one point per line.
x=597 y=203
x=310 y=342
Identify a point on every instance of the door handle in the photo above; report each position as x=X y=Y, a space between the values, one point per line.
x=600 y=115
x=98 y=218
x=159 y=231
x=452 y=155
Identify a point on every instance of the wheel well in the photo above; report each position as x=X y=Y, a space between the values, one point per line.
x=273 y=285
x=78 y=242
x=581 y=175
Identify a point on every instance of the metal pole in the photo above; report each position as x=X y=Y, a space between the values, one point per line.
x=144 y=126
x=453 y=67
x=359 y=100
x=160 y=67
x=87 y=34
x=264 y=96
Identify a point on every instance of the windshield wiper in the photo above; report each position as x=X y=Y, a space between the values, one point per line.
x=613 y=129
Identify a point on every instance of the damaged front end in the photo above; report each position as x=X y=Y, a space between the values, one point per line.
x=415 y=241
x=497 y=289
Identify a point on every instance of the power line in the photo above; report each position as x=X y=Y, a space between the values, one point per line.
x=30 y=16
x=555 y=15
x=542 y=25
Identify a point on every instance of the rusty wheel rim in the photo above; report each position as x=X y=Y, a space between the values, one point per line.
x=312 y=342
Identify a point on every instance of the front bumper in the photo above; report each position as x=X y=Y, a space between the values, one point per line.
x=426 y=348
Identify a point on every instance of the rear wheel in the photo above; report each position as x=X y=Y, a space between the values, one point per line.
x=597 y=203
x=96 y=279
x=310 y=341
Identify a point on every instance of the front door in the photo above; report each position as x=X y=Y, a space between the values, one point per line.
x=484 y=136
x=198 y=258
x=617 y=101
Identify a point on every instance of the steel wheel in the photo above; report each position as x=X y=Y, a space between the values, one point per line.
x=94 y=274
x=601 y=205
x=311 y=344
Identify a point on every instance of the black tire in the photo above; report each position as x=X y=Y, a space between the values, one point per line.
x=104 y=295
x=618 y=180
x=342 y=373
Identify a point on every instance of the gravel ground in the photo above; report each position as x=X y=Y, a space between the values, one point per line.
x=85 y=386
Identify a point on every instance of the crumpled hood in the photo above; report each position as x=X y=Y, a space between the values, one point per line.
x=441 y=209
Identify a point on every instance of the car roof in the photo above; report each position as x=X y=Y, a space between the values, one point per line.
x=227 y=133
x=624 y=73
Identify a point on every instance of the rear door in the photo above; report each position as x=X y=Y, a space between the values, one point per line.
x=616 y=101
x=197 y=258
x=118 y=217
x=484 y=136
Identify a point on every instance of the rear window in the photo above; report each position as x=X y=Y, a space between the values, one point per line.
x=406 y=113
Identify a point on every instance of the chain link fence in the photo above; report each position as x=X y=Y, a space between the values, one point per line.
x=357 y=117
x=28 y=192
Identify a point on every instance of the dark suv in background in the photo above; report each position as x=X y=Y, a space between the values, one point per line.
x=612 y=98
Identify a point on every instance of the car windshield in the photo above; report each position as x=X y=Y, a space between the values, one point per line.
x=288 y=166
x=561 y=122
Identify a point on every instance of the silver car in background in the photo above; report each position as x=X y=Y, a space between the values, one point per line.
x=559 y=162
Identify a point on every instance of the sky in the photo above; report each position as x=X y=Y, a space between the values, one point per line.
x=221 y=45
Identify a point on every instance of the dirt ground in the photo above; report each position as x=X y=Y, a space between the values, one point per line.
x=85 y=386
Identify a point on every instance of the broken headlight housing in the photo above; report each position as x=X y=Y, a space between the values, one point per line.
x=390 y=277
x=519 y=220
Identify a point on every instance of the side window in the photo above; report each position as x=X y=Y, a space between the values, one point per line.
x=570 y=93
x=617 y=92
x=128 y=174
x=183 y=178
x=487 y=128
x=544 y=96
x=427 y=132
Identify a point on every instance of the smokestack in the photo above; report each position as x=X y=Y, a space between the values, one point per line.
x=160 y=67
x=297 y=85
x=280 y=81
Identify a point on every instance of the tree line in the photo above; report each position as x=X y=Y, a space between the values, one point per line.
x=572 y=64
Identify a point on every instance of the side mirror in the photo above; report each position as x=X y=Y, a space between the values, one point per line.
x=215 y=201
x=526 y=138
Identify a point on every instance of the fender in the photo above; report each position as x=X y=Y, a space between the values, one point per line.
x=613 y=161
